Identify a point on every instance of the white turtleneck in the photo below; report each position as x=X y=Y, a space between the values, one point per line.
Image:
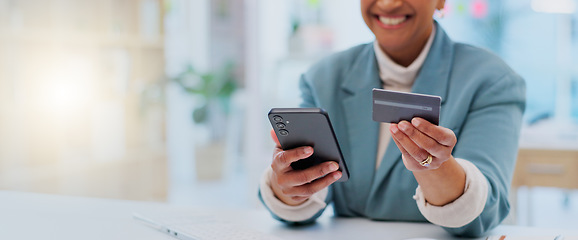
x=399 y=78
x=455 y=214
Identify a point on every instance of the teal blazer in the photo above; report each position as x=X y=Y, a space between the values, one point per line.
x=482 y=102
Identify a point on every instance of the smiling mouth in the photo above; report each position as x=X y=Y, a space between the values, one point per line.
x=393 y=21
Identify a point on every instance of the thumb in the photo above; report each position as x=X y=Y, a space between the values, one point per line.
x=274 y=137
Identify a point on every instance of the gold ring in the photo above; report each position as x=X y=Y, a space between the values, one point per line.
x=427 y=161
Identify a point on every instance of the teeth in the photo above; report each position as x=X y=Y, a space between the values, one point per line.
x=392 y=21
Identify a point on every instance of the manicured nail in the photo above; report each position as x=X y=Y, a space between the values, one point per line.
x=403 y=125
x=394 y=128
x=333 y=167
x=416 y=122
x=337 y=175
x=307 y=150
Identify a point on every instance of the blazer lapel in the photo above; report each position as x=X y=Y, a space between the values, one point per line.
x=432 y=79
x=362 y=130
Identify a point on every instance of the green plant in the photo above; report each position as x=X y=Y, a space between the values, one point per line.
x=212 y=88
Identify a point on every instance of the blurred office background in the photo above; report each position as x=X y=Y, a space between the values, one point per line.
x=166 y=100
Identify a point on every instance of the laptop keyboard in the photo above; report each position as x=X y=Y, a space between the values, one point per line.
x=210 y=231
x=204 y=227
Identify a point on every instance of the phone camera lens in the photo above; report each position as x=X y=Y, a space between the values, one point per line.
x=283 y=132
x=277 y=118
x=280 y=125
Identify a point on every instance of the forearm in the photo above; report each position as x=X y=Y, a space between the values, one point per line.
x=455 y=216
x=442 y=185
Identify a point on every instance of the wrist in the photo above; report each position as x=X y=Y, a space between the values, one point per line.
x=444 y=184
x=447 y=165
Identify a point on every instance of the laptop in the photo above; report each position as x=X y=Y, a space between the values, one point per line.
x=199 y=226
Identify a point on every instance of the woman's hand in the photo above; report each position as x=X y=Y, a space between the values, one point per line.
x=442 y=180
x=294 y=187
x=419 y=139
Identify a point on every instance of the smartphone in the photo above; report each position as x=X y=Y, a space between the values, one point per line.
x=297 y=127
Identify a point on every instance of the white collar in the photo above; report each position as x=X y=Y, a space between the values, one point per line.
x=395 y=75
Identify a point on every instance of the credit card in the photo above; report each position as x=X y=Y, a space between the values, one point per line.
x=393 y=106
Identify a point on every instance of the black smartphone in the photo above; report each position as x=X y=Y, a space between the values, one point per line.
x=297 y=127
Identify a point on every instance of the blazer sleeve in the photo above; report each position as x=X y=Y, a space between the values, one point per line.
x=489 y=139
x=308 y=100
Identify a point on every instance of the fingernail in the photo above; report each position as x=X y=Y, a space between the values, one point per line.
x=337 y=175
x=307 y=150
x=416 y=122
x=403 y=125
x=333 y=167
x=394 y=128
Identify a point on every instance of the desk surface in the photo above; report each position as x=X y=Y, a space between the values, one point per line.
x=39 y=216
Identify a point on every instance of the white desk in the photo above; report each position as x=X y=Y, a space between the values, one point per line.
x=38 y=216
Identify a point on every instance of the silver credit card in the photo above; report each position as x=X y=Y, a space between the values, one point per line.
x=393 y=106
